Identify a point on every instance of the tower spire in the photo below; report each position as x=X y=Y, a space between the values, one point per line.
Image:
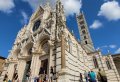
x=85 y=37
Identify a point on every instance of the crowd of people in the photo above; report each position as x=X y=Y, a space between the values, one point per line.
x=90 y=76
x=42 y=77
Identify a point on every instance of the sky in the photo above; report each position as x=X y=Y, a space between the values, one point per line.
x=102 y=16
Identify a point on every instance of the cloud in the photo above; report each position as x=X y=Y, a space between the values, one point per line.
x=70 y=6
x=110 y=10
x=112 y=46
x=117 y=51
x=96 y=24
x=25 y=17
x=6 y=6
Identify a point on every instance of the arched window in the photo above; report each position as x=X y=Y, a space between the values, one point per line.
x=36 y=25
x=86 y=42
x=77 y=51
x=70 y=50
x=70 y=45
x=108 y=64
x=83 y=32
x=95 y=62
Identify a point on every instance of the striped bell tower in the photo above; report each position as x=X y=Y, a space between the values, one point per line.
x=85 y=37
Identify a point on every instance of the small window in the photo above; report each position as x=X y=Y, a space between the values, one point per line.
x=108 y=64
x=80 y=17
x=83 y=32
x=71 y=47
x=95 y=62
x=77 y=51
x=82 y=22
x=82 y=27
x=86 y=42
x=36 y=25
x=85 y=37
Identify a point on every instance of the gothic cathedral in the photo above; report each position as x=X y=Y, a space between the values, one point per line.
x=46 y=45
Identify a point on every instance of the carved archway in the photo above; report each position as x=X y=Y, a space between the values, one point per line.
x=44 y=49
x=27 y=50
x=108 y=63
x=15 y=54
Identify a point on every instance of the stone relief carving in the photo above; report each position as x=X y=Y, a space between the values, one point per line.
x=45 y=49
x=44 y=34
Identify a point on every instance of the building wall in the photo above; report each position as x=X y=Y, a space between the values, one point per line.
x=2 y=62
x=116 y=59
x=78 y=61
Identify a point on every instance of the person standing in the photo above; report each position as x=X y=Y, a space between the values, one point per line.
x=92 y=76
x=89 y=80
x=101 y=76
x=28 y=75
x=81 y=77
x=51 y=73
x=86 y=76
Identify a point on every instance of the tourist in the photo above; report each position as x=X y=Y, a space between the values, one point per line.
x=9 y=81
x=81 y=77
x=51 y=73
x=89 y=77
x=101 y=76
x=5 y=77
x=86 y=76
x=92 y=76
x=36 y=79
x=28 y=75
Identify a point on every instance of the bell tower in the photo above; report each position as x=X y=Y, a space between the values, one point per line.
x=85 y=37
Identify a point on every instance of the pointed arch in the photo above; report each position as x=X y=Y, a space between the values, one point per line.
x=70 y=44
x=28 y=49
x=95 y=62
x=108 y=64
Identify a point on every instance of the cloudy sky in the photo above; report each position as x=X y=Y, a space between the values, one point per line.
x=103 y=18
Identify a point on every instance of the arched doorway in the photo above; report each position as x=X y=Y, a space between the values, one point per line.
x=28 y=58
x=44 y=57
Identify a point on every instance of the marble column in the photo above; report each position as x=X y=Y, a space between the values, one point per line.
x=35 y=66
x=62 y=77
x=50 y=56
x=21 y=69
x=10 y=71
x=114 y=68
x=63 y=64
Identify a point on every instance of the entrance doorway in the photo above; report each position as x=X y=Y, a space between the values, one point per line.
x=44 y=67
x=28 y=64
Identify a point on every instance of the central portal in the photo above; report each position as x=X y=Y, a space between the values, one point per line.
x=44 y=67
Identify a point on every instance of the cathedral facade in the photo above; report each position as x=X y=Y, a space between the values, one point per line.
x=46 y=42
